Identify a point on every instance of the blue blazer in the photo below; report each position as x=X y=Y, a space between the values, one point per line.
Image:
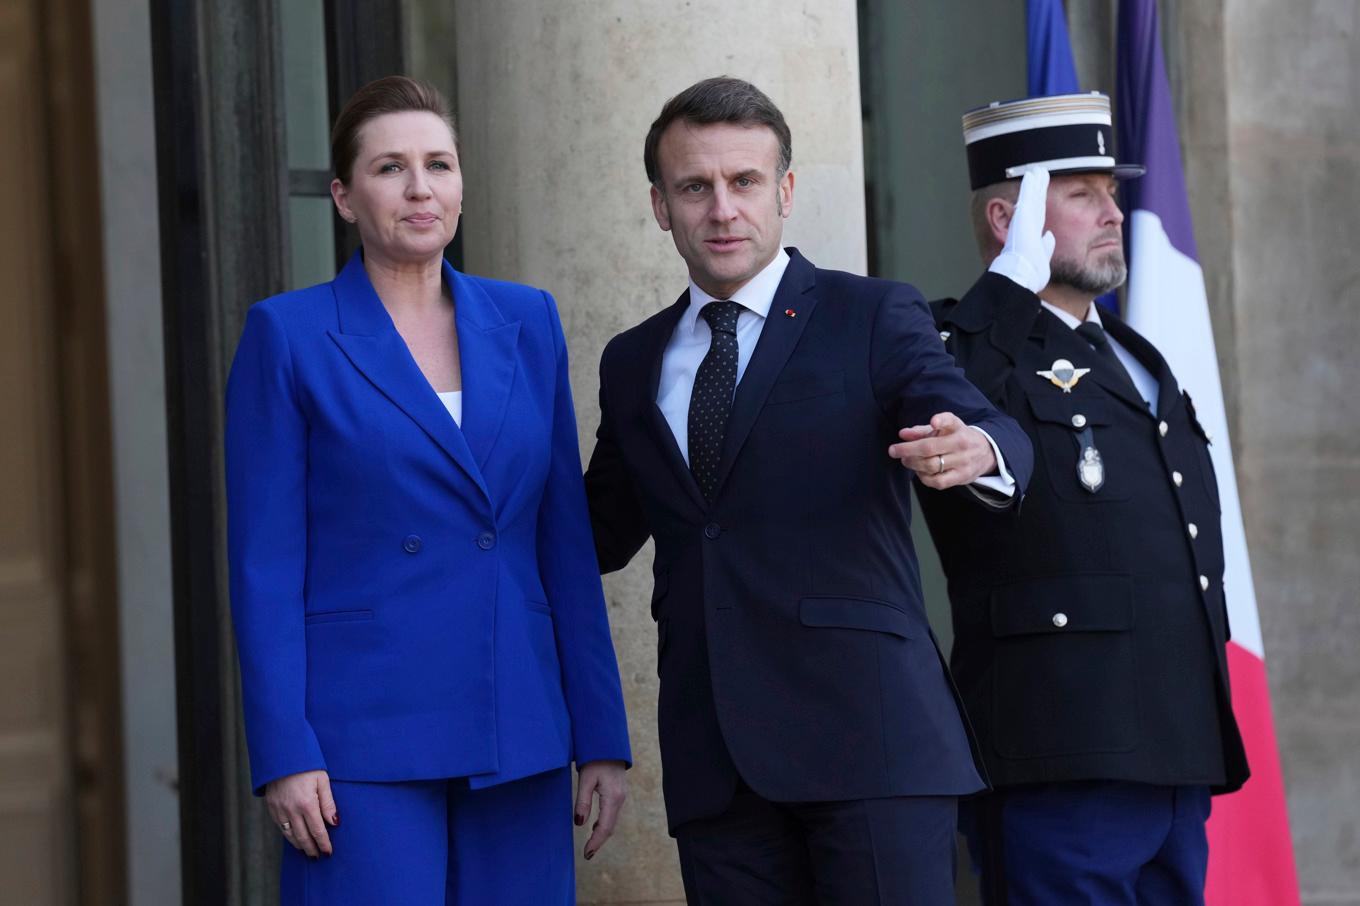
x=413 y=600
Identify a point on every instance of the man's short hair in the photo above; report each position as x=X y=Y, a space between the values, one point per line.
x=982 y=230
x=719 y=100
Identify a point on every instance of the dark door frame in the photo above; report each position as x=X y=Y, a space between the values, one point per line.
x=223 y=184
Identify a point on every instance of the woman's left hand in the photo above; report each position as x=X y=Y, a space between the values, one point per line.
x=608 y=780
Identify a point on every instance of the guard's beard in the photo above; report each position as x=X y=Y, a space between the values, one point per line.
x=1106 y=274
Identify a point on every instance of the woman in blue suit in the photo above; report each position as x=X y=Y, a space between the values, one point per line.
x=422 y=634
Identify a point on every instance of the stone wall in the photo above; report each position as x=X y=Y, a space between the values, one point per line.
x=1292 y=75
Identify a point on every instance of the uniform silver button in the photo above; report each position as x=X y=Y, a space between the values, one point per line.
x=1193 y=530
x=1162 y=428
x=1203 y=583
x=1177 y=478
x=944 y=335
x=1060 y=620
x=1078 y=421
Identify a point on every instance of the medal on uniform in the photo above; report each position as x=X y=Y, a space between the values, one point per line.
x=1091 y=469
x=1090 y=464
x=1064 y=374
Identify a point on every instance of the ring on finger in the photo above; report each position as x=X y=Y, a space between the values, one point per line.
x=286 y=827
x=940 y=457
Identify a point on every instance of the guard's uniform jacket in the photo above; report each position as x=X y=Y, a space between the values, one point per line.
x=1089 y=625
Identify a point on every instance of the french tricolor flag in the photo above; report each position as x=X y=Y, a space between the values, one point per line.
x=1251 y=858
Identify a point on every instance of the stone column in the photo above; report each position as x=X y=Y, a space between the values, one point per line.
x=554 y=100
x=1293 y=77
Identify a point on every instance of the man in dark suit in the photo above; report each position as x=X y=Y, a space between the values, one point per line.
x=758 y=430
x=1089 y=627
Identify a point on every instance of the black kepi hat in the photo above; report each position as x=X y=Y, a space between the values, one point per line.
x=1064 y=133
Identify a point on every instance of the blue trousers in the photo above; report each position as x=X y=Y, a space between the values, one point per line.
x=865 y=852
x=438 y=842
x=1090 y=843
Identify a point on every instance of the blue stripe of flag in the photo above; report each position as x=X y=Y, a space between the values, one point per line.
x=1050 y=67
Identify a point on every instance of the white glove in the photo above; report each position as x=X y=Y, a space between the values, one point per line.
x=1028 y=249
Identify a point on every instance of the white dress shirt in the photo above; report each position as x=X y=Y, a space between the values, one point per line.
x=1143 y=380
x=453 y=401
x=689 y=344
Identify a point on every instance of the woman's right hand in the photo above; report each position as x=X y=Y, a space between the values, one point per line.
x=301 y=805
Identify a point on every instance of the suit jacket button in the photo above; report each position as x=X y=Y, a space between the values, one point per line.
x=1203 y=583
x=486 y=541
x=1162 y=428
x=712 y=531
x=1060 y=620
x=1078 y=421
x=411 y=544
x=1193 y=530
x=1177 y=478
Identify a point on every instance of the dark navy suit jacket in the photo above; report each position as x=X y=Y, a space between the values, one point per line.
x=413 y=600
x=793 y=646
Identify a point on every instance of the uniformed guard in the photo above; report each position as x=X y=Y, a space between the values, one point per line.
x=1090 y=624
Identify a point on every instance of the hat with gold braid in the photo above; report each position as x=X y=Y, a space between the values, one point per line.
x=1064 y=133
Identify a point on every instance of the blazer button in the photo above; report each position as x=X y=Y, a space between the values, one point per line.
x=1203 y=583
x=411 y=544
x=486 y=541
x=1078 y=421
x=1177 y=478
x=1162 y=428
x=1193 y=530
x=712 y=531
x=1060 y=620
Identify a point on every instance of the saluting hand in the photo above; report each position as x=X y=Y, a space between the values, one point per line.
x=1029 y=249
x=945 y=453
x=302 y=805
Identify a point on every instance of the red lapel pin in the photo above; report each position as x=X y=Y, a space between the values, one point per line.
x=790 y=313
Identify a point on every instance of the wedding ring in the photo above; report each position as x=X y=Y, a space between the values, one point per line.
x=941 y=468
x=286 y=826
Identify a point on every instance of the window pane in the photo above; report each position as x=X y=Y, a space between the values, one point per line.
x=304 y=84
x=312 y=238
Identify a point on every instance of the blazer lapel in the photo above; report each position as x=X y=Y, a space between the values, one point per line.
x=370 y=341
x=1167 y=389
x=486 y=349
x=656 y=421
x=778 y=337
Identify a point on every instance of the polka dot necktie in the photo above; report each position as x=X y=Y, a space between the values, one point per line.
x=711 y=402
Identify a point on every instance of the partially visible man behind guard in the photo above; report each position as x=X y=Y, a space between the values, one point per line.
x=811 y=743
x=1089 y=628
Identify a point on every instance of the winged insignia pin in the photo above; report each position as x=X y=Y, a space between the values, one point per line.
x=1063 y=374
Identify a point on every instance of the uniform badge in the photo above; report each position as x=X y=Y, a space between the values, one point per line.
x=1063 y=374
x=1091 y=469
x=1090 y=465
